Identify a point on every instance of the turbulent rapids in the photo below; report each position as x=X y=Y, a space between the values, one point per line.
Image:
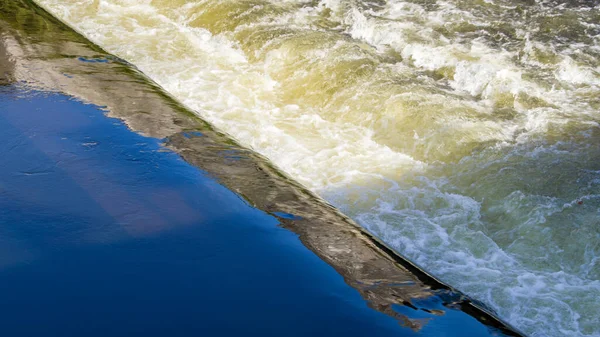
x=463 y=133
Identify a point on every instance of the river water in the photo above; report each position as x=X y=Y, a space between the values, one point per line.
x=463 y=133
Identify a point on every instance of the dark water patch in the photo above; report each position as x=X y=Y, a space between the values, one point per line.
x=192 y=134
x=287 y=216
x=93 y=60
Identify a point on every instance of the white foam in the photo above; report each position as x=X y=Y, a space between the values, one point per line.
x=568 y=71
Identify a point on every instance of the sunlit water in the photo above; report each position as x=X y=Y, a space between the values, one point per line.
x=464 y=133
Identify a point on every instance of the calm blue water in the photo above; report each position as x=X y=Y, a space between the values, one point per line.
x=104 y=233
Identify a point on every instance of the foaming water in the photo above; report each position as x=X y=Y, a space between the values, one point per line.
x=463 y=133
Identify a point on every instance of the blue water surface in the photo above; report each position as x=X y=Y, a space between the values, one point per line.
x=105 y=233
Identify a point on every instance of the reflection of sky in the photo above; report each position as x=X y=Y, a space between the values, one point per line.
x=70 y=165
x=105 y=233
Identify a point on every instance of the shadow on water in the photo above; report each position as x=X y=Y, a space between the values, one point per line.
x=105 y=231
